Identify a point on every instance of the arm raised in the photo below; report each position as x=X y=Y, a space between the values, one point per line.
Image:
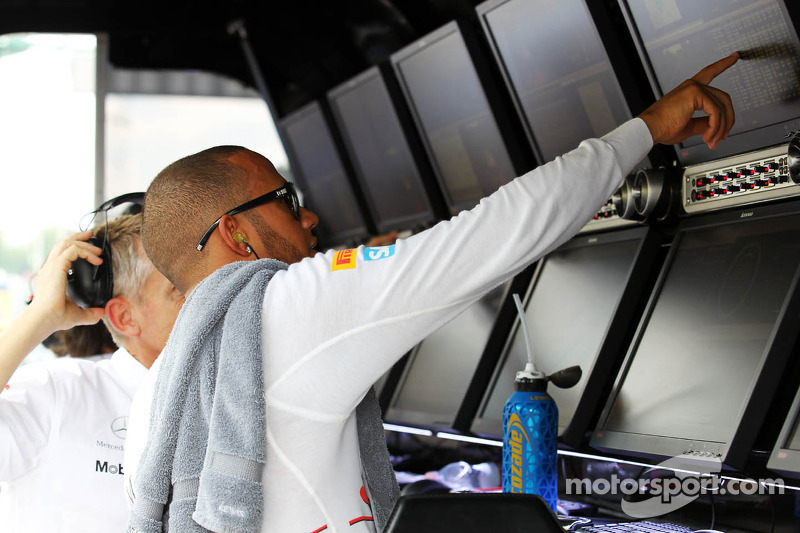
x=51 y=310
x=671 y=119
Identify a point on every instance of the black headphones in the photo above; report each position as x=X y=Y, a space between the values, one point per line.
x=91 y=285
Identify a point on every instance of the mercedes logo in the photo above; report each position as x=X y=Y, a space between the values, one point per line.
x=119 y=426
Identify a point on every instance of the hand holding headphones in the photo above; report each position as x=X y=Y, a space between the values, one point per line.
x=51 y=310
x=91 y=284
x=51 y=301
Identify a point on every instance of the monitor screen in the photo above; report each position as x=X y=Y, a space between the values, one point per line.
x=380 y=154
x=704 y=340
x=452 y=112
x=322 y=176
x=677 y=38
x=439 y=371
x=571 y=304
x=557 y=71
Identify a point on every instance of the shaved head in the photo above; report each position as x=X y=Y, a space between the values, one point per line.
x=182 y=202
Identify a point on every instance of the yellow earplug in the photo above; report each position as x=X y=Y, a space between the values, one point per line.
x=238 y=238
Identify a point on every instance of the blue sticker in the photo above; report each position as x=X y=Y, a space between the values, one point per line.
x=374 y=254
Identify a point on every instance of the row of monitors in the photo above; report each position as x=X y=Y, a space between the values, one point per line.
x=429 y=135
x=683 y=343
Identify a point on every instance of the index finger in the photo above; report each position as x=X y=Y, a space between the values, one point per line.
x=80 y=235
x=715 y=69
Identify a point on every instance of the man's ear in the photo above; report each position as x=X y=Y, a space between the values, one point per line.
x=118 y=311
x=227 y=230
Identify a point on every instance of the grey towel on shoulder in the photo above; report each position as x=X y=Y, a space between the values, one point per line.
x=201 y=469
x=207 y=436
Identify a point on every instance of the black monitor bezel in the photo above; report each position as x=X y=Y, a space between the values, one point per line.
x=785 y=460
x=412 y=220
x=315 y=107
x=734 y=144
x=521 y=157
x=619 y=330
x=482 y=11
x=621 y=53
x=776 y=355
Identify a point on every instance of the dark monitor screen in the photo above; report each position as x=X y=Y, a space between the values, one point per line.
x=570 y=306
x=439 y=371
x=785 y=456
x=677 y=38
x=451 y=110
x=557 y=70
x=380 y=153
x=696 y=363
x=322 y=176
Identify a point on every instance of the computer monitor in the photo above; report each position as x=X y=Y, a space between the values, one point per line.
x=381 y=156
x=785 y=457
x=557 y=71
x=677 y=38
x=439 y=370
x=453 y=115
x=580 y=308
x=713 y=342
x=322 y=177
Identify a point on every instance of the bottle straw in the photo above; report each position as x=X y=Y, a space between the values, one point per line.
x=524 y=324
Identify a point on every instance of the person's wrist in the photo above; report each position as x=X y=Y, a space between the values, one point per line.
x=652 y=125
x=44 y=318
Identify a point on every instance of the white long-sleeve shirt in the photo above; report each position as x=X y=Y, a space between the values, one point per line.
x=334 y=323
x=63 y=425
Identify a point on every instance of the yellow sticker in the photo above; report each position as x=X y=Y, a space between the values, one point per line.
x=344 y=259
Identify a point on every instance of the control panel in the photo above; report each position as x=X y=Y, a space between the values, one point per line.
x=747 y=178
x=607 y=218
x=654 y=194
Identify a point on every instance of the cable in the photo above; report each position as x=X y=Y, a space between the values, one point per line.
x=713 y=510
x=772 y=506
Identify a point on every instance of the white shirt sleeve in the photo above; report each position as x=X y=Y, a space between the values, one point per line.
x=334 y=323
x=28 y=409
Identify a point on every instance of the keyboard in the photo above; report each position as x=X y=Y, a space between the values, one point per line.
x=636 y=527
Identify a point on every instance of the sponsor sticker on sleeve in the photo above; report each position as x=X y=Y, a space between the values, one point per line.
x=374 y=254
x=344 y=260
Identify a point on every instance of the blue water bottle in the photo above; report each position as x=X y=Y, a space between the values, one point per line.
x=530 y=439
x=530 y=428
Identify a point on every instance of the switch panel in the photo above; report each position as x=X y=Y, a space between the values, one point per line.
x=743 y=179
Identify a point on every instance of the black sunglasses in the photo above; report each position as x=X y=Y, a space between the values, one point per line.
x=286 y=194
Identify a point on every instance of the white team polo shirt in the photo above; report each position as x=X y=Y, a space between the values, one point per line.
x=334 y=323
x=63 y=425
